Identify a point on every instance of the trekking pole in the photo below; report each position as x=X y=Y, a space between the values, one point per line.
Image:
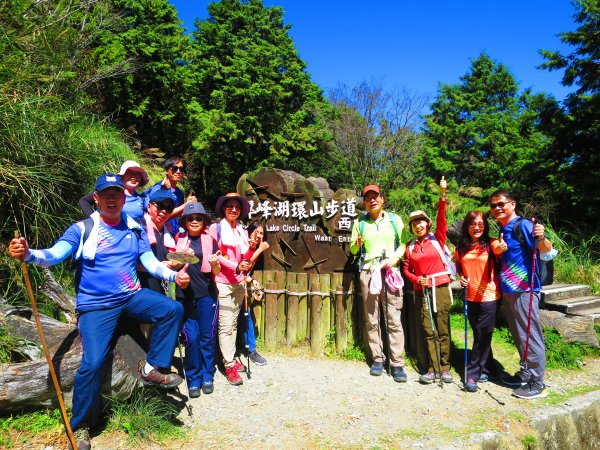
x=436 y=339
x=171 y=294
x=387 y=327
x=465 y=301
x=531 y=286
x=38 y=323
x=246 y=312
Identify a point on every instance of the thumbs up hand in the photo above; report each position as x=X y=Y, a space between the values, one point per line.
x=182 y=279
x=502 y=246
x=443 y=185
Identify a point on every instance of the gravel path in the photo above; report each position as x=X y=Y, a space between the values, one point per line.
x=297 y=402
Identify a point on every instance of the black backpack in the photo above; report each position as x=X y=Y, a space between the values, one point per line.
x=546 y=268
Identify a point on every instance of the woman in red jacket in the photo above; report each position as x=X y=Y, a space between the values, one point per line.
x=426 y=268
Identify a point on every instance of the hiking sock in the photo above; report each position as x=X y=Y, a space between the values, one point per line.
x=147 y=368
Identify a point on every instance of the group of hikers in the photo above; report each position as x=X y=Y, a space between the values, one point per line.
x=134 y=245
x=489 y=269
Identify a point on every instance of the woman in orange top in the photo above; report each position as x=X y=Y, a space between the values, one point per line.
x=476 y=263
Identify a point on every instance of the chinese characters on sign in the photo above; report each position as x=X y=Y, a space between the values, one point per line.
x=300 y=211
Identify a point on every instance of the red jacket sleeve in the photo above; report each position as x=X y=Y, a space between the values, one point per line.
x=441 y=224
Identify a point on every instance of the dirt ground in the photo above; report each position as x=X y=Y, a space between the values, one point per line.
x=300 y=402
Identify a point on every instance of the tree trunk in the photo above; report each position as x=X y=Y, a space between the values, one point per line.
x=28 y=385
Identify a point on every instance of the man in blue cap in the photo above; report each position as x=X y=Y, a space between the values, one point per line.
x=108 y=288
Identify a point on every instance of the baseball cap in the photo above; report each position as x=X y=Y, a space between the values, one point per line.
x=370 y=187
x=160 y=195
x=109 y=180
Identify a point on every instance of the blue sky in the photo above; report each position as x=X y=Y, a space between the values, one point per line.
x=418 y=44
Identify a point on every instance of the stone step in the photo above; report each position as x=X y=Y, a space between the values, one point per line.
x=560 y=291
x=572 y=305
x=592 y=312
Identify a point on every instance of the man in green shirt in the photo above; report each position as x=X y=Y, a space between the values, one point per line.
x=377 y=237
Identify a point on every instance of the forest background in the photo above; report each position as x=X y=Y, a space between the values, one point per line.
x=87 y=84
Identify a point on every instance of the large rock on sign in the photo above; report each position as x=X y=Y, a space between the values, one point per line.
x=308 y=225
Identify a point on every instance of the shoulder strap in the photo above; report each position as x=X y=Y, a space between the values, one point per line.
x=219 y=231
x=88 y=224
x=396 y=237
x=361 y=224
x=438 y=247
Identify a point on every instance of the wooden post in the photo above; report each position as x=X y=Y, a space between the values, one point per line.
x=302 y=307
x=341 y=337
x=316 y=334
x=258 y=307
x=271 y=316
x=292 y=315
x=327 y=311
x=280 y=278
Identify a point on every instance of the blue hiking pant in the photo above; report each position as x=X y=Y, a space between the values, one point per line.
x=517 y=313
x=199 y=330
x=96 y=329
x=247 y=329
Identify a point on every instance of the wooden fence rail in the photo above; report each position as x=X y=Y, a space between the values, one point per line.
x=301 y=309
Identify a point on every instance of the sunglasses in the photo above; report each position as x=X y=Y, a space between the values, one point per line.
x=168 y=207
x=193 y=219
x=477 y=225
x=233 y=207
x=176 y=169
x=498 y=205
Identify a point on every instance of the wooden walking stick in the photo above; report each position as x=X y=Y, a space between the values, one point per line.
x=38 y=323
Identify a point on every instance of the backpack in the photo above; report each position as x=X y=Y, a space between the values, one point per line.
x=445 y=254
x=546 y=267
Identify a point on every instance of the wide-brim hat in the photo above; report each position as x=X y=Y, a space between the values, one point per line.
x=132 y=165
x=193 y=208
x=416 y=215
x=232 y=196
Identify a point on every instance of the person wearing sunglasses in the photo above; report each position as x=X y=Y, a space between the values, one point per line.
x=476 y=264
x=160 y=234
x=199 y=299
x=232 y=239
x=520 y=293
x=174 y=174
x=133 y=177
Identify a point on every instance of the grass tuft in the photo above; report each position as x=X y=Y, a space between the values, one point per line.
x=144 y=417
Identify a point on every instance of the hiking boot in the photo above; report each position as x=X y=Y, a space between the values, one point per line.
x=194 y=392
x=484 y=378
x=376 y=368
x=82 y=438
x=471 y=385
x=531 y=390
x=233 y=376
x=159 y=379
x=515 y=380
x=239 y=366
x=257 y=359
x=399 y=375
x=446 y=377
x=208 y=387
x=427 y=378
